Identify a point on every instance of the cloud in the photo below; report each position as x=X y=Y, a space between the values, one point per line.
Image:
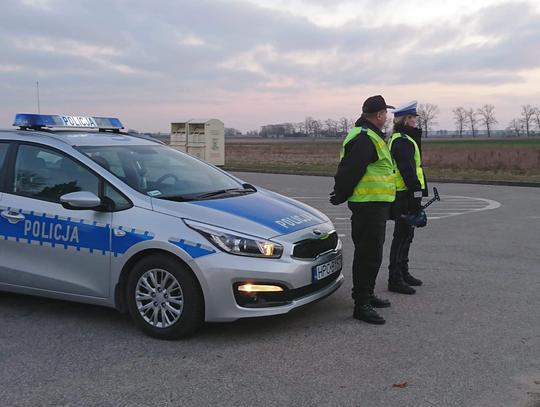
x=212 y=51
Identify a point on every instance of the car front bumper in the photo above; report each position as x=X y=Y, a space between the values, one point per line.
x=220 y=275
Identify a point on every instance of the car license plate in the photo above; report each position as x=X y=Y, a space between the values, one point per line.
x=324 y=270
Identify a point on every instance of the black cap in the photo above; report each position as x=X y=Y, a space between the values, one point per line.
x=375 y=104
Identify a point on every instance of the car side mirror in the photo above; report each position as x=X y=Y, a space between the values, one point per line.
x=80 y=200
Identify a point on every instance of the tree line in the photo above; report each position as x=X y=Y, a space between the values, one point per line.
x=465 y=119
x=471 y=119
x=530 y=117
x=309 y=127
x=427 y=115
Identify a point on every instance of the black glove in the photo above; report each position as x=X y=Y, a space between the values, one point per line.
x=423 y=220
x=414 y=205
x=418 y=220
x=334 y=200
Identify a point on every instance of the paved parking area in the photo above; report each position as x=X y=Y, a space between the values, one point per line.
x=469 y=337
x=449 y=205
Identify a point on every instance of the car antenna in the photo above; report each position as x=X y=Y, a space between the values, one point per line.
x=38 y=107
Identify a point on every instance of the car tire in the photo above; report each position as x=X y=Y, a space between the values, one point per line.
x=164 y=298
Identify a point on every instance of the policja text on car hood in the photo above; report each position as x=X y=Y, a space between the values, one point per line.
x=263 y=213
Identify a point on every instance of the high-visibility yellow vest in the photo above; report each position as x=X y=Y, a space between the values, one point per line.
x=400 y=183
x=378 y=183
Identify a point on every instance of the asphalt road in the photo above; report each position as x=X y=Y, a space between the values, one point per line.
x=469 y=337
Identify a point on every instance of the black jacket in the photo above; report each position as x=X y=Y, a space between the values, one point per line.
x=359 y=153
x=403 y=153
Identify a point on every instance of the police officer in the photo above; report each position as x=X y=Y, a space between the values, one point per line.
x=365 y=178
x=410 y=184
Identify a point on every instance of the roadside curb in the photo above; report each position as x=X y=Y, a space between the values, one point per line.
x=429 y=179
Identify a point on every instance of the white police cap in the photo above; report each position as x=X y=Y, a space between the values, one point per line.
x=407 y=108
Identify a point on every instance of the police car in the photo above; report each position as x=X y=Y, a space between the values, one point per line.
x=94 y=215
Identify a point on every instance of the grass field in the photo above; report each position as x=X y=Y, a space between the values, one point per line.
x=481 y=159
x=450 y=141
x=485 y=142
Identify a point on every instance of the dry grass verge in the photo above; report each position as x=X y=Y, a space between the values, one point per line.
x=454 y=160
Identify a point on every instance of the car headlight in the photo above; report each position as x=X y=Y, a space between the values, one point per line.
x=235 y=243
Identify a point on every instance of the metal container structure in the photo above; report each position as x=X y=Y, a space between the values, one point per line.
x=203 y=138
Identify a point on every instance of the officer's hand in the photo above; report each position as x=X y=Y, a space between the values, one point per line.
x=423 y=219
x=334 y=200
x=414 y=205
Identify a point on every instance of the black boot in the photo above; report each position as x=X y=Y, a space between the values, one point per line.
x=397 y=285
x=410 y=279
x=378 y=302
x=367 y=314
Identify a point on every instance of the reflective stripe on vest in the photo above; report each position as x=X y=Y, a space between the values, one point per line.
x=378 y=183
x=400 y=183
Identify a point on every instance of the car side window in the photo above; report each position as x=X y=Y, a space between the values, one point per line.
x=42 y=173
x=3 y=152
x=119 y=202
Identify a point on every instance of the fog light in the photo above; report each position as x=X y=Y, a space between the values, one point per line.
x=253 y=288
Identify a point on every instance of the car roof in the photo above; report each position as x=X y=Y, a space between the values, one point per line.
x=83 y=137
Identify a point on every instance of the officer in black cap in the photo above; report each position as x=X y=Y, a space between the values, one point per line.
x=365 y=178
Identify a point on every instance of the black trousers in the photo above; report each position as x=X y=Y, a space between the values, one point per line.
x=368 y=234
x=402 y=239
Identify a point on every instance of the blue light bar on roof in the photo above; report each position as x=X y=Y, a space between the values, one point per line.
x=45 y=120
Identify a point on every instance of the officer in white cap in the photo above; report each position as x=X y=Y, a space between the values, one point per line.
x=410 y=183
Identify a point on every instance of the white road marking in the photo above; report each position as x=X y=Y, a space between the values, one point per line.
x=310 y=197
x=465 y=204
x=450 y=205
x=331 y=209
x=444 y=213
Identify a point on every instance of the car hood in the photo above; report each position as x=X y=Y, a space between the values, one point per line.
x=263 y=214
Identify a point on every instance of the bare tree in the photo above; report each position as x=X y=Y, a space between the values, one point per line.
x=426 y=116
x=345 y=125
x=388 y=125
x=516 y=126
x=527 y=113
x=231 y=131
x=460 y=119
x=316 y=126
x=537 y=118
x=289 y=128
x=331 y=127
x=299 y=127
x=472 y=116
x=335 y=127
x=488 y=120
x=308 y=125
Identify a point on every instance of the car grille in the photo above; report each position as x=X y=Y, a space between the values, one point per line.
x=312 y=248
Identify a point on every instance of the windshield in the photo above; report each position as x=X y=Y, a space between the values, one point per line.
x=162 y=172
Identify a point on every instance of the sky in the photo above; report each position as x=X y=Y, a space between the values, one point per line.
x=255 y=62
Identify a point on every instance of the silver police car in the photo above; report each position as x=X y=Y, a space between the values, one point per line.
x=94 y=215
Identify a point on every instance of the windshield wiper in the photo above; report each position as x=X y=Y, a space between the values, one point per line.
x=177 y=198
x=224 y=191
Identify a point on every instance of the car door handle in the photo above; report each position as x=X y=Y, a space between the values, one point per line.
x=12 y=217
x=119 y=233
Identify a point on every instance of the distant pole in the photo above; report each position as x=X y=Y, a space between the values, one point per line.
x=38 y=108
